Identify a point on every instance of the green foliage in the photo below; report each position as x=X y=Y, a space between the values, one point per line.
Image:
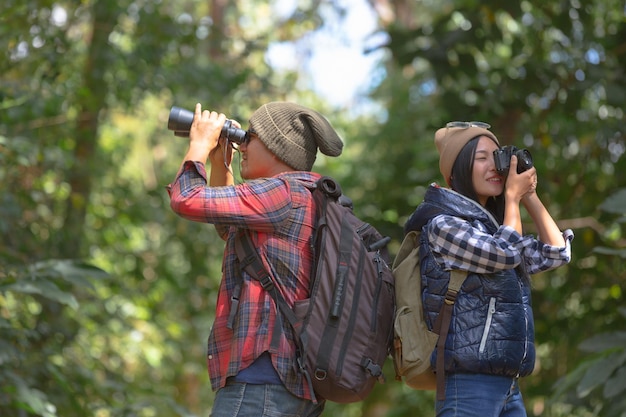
x=598 y=383
x=35 y=327
x=85 y=156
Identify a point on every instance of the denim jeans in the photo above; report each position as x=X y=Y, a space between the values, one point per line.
x=239 y=399
x=478 y=395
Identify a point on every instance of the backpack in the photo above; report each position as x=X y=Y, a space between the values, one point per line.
x=414 y=343
x=345 y=328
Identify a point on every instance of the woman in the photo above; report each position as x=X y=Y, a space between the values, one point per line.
x=475 y=226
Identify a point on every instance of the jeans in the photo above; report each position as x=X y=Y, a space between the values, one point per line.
x=479 y=395
x=238 y=399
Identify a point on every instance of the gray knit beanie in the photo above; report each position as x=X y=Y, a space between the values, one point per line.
x=294 y=133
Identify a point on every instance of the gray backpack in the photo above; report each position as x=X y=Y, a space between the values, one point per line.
x=345 y=329
x=413 y=342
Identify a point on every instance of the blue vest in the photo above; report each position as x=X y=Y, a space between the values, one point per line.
x=492 y=327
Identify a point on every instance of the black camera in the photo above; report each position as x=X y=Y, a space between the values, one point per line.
x=503 y=156
x=180 y=121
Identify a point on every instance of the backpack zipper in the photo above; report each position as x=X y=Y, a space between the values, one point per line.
x=379 y=285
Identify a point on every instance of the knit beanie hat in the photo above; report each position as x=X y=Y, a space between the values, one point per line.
x=450 y=141
x=294 y=133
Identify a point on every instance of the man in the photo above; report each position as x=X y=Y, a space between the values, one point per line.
x=251 y=349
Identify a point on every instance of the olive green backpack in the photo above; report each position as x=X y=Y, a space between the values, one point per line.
x=413 y=342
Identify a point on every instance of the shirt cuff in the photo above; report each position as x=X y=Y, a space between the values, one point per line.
x=560 y=252
x=194 y=166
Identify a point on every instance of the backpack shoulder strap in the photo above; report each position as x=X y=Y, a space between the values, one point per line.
x=457 y=278
x=251 y=262
x=445 y=316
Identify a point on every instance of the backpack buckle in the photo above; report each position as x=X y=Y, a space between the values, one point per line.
x=266 y=282
x=451 y=296
x=374 y=369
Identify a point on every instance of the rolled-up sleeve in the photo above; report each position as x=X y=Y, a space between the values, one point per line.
x=456 y=244
x=541 y=257
x=258 y=204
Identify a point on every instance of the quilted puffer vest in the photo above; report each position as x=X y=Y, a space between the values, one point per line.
x=492 y=327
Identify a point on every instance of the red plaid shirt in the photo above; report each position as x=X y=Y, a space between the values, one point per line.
x=279 y=214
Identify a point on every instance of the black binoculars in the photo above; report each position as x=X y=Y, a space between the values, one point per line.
x=180 y=121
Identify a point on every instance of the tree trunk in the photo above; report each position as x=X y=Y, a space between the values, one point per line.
x=91 y=104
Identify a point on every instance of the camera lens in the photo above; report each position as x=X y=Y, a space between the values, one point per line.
x=524 y=160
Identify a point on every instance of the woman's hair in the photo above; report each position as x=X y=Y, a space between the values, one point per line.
x=461 y=179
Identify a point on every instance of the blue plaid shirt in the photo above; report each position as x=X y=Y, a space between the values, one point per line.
x=457 y=244
x=492 y=327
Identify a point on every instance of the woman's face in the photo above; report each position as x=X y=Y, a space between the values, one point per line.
x=485 y=179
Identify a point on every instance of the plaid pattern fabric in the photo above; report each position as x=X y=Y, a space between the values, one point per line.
x=492 y=329
x=279 y=214
x=458 y=244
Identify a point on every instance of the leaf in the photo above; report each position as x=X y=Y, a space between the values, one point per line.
x=604 y=341
x=5 y=324
x=599 y=372
x=610 y=251
x=7 y=352
x=44 y=288
x=615 y=203
x=616 y=384
x=36 y=401
x=72 y=271
x=27 y=398
x=569 y=381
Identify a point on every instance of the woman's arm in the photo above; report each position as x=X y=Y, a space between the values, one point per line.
x=457 y=244
x=518 y=186
x=547 y=229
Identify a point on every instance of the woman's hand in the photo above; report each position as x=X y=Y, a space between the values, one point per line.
x=547 y=229
x=516 y=188
x=520 y=185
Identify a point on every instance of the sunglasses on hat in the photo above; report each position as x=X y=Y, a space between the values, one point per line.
x=467 y=125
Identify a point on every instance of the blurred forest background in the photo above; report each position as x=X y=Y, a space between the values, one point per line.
x=107 y=297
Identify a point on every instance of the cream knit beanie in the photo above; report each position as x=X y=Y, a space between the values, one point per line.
x=450 y=141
